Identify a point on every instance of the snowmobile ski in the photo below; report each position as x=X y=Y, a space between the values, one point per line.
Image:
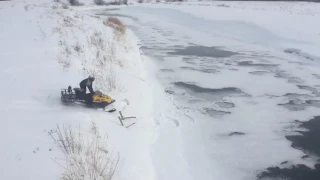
x=111 y=110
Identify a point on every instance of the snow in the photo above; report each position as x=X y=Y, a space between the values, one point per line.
x=46 y=47
x=201 y=145
x=39 y=58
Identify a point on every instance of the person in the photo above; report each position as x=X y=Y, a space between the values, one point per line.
x=84 y=84
x=87 y=83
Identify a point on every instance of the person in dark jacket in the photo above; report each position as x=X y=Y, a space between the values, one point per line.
x=87 y=83
x=84 y=84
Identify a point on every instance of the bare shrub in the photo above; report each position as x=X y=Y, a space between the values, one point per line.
x=107 y=80
x=111 y=80
x=111 y=51
x=78 y=48
x=115 y=2
x=140 y=1
x=97 y=40
x=67 y=22
x=116 y=24
x=99 y=2
x=103 y=58
x=115 y=21
x=68 y=52
x=65 y=63
x=65 y=6
x=125 y=2
x=75 y=3
x=86 y=154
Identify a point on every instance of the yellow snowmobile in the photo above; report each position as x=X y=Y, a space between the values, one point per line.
x=97 y=100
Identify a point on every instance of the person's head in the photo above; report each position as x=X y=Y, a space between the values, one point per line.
x=91 y=78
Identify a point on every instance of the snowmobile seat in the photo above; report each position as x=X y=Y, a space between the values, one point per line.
x=78 y=93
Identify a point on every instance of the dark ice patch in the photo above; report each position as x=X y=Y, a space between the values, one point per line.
x=299 y=105
x=177 y=46
x=314 y=103
x=305 y=157
x=208 y=94
x=260 y=65
x=198 y=89
x=298 y=52
x=231 y=134
x=293 y=105
x=169 y=91
x=296 y=95
x=236 y=133
x=200 y=69
x=311 y=89
x=191 y=61
x=259 y=72
x=216 y=113
x=289 y=77
x=203 y=51
x=292 y=50
x=282 y=74
x=296 y=172
x=309 y=142
x=295 y=80
x=225 y=104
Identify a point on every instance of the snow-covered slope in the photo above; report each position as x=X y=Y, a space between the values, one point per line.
x=46 y=47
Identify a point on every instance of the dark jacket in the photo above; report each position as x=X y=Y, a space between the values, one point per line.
x=86 y=83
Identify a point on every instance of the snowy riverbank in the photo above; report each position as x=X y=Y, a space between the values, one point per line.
x=47 y=46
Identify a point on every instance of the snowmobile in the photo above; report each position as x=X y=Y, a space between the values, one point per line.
x=97 y=100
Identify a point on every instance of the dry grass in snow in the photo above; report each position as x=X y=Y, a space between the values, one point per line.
x=86 y=154
x=116 y=24
x=97 y=53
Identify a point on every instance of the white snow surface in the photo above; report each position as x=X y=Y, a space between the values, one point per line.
x=39 y=57
x=45 y=47
x=279 y=38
